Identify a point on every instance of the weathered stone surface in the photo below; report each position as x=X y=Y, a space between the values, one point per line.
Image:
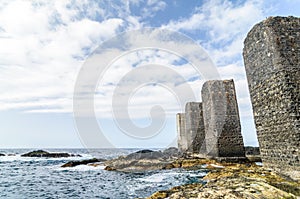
x=271 y=55
x=194 y=127
x=143 y=160
x=181 y=133
x=251 y=150
x=41 y=153
x=221 y=119
x=172 y=152
x=82 y=162
x=236 y=181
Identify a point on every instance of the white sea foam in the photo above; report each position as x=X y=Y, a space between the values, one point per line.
x=17 y=157
x=197 y=175
x=217 y=166
x=158 y=177
x=80 y=168
x=153 y=178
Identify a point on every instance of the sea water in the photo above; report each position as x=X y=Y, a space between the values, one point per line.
x=26 y=177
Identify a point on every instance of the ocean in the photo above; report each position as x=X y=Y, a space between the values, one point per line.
x=26 y=177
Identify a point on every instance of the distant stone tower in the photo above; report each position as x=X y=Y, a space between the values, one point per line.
x=271 y=56
x=221 y=119
x=194 y=126
x=181 y=133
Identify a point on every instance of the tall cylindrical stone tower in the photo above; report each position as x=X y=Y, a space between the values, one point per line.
x=271 y=55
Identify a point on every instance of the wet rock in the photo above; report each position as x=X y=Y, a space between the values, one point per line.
x=236 y=181
x=172 y=152
x=146 y=160
x=143 y=160
x=145 y=154
x=1 y=154
x=41 y=153
x=82 y=162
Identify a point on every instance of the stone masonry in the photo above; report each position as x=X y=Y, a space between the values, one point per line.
x=221 y=119
x=194 y=126
x=271 y=55
x=181 y=133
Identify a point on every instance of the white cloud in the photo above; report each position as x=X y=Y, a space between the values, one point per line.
x=224 y=26
x=192 y=23
x=41 y=51
x=43 y=47
x=152 y=7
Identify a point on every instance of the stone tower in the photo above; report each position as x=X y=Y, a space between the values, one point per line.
x=181 y=133
x=194 y=126
x=221 y=119
x=271 y=56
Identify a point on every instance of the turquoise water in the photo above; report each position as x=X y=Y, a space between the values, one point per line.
x=23 y=177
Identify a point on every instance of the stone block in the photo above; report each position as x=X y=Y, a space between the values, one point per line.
x=181 y=133
x=271 y=56
x=194 y=127
x=221 y=119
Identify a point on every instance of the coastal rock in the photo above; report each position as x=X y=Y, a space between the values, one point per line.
x=41 y=153
x=144 y=154
x=236 y=181
x=1 y=154
x=82 y=162
x=146 y=160
x=172 y=152
x=143 y=160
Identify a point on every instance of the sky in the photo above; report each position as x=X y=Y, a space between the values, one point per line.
x=45 y=45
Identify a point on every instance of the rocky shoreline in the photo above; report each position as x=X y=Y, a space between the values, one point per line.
x=235 y=181
x=230 y=178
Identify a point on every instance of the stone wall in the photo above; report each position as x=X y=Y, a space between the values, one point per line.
x=181 y=133
x=271 y=55
x=221 y=119
x=194 y=126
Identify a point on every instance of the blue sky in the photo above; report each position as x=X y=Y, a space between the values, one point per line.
x=44 y=44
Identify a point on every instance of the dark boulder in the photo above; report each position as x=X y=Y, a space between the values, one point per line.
x=144 y=151
x=1 y=154
x=82 y=162
x=143 y=160
x=145 y=154
x=172 y=152
x=41 y=153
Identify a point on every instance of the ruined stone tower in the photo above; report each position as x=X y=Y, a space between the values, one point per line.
x=221 y=119
x=194 y=126
x=271 y=56
x=181 y=133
